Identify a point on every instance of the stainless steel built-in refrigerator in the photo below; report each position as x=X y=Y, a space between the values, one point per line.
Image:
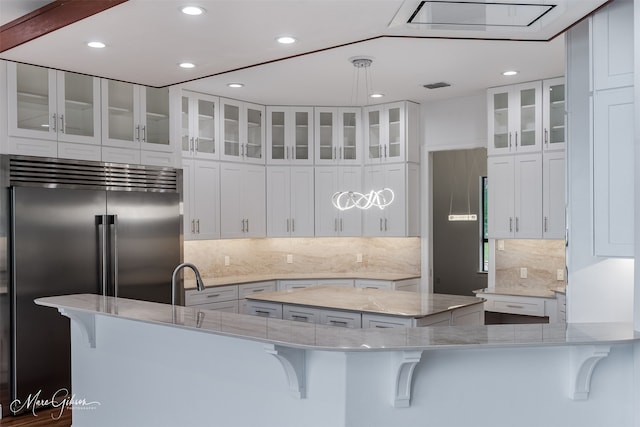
x=78 y=227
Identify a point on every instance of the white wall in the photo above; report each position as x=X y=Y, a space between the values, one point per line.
x=456 y=123
x=598 y=289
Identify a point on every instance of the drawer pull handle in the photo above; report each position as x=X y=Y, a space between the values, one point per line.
x=338 y=322
x=514 y=306
x=296 y=317
x=383 y=327
x=257 y=290
x=262 y=312
x=213 y=296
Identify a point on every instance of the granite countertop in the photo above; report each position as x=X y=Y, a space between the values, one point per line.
x=329 y=338
x=378 y=301
x=250 y=278
x=521 y=291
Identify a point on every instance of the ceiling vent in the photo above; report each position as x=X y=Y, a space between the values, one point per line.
x=478 y=14
x=436 y=85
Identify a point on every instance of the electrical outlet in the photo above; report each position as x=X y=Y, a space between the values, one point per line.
x=523 y=273
x=227 y=261
x=358 y=257
x=289 y=259
x=560 y=274
x=501 y=245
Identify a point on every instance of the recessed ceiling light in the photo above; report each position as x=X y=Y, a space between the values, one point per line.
x=96 y=45
x=192 y=10
x=286 y=40
x=235 y=85
x=510 y=73
x=186 y=65
x=376 y=95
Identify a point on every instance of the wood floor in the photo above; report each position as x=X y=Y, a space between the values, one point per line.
x=44 y=418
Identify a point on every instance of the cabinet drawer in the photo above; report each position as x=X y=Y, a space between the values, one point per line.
x=254 y=288
x=226 y=306
x=217 y=294
x=336 y=282
x=377 y=321
x=264 y=309
x=344 y=319
x=439 y=319
x=374 y=284
x=299 y=314
x=529 y=307
x=286 y=285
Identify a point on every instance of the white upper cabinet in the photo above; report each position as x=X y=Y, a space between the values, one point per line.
x=199 y=125
x=515 y=196
x=338 y=136
x=290 y=201
x=613 y=50
x=553 y=114
x=329 y=220
x=553 y=193
x=51 y=105
x=515 y=118
x=391 y=133
x=290 y=135
x=401 y=218
x=243 y=131
x=242 y=200
x=201 y=195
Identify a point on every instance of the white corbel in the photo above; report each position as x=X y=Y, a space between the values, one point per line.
x=86 y=322
x=404 y=364
x=294 y=363
x=584 y=359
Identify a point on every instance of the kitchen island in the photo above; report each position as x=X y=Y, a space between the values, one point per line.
x=367 y=308
x=149 y=364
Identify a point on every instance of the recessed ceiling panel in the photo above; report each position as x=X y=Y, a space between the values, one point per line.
x=456 y=13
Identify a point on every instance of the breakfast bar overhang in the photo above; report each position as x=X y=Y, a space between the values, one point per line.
x=161 y=365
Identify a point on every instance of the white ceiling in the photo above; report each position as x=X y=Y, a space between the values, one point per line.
x=146 y=39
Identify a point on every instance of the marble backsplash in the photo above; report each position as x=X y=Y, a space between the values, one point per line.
x=307 y=255
x=541 y=258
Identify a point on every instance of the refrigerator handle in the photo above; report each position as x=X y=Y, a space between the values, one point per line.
x=113 y=221
x=101 y=221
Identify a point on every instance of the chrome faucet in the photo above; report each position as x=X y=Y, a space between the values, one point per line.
x=199 y=282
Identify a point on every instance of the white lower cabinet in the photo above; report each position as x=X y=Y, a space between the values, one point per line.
x=522 y=305
x=229 y=298
x=247 y=289
x=384 y=322
x=407 y=285
x=300 y=314
x=343 y=319
x=286 y=285
x=264 y=309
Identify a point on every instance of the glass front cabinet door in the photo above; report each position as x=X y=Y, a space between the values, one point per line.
x=337 y=135
x=53 y=105
x=386 y=137
x=199 y=130
x=120 y=114
x=242 y=131
x=289 y=135
x=553 y=106
x=154 y=125
x=515 y=118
